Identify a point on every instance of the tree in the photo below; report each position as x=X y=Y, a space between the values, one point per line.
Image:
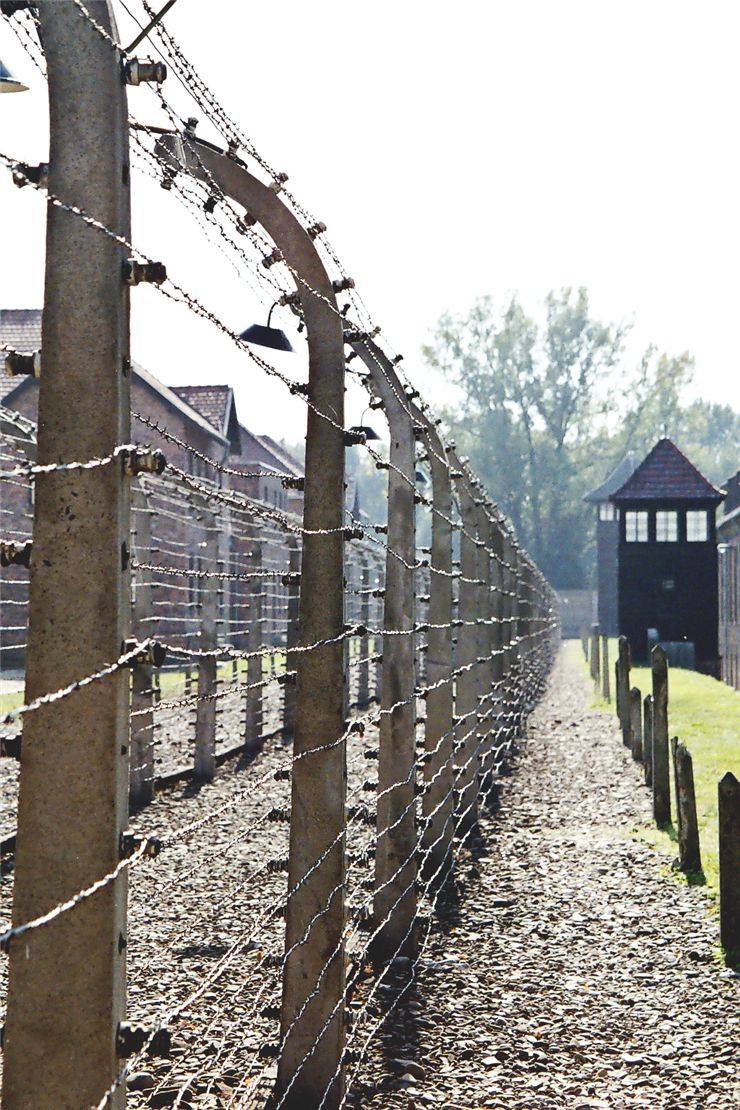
x=547 y=410
x=530 y=396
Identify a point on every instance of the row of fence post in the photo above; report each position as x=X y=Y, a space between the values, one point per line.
x=66 y=984
x=644 y=725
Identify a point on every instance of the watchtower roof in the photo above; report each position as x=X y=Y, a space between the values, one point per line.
x=665 y=474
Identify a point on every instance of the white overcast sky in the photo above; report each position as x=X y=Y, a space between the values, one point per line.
x=452 y=150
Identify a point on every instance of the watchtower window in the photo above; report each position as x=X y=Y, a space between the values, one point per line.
x=635 y=526
x=697 y=526
x=606 y=511
x=666 y=526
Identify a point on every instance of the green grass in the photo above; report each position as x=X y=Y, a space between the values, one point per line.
x=705 y=715
x=172 y=682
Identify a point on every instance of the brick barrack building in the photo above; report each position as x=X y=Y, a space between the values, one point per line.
x=203 y=416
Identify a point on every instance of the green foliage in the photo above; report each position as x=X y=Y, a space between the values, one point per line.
x=548 y=409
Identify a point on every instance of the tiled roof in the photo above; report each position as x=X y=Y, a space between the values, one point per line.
x=732 y=487
x=211 y=401
x=178 y=402
x=19 y=386
x=263 y=450
x=665 y=474
x=292 y=464
x=617 y=478
x=20 y=330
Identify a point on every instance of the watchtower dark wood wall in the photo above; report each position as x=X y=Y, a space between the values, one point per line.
x=667 y=573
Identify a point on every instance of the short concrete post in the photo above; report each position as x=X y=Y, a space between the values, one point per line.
x=253 y=699
x=595 y=661
x=605 y=691
x=661 y=779
x=647 y=739
x=141 y=776
x=636 y=723
x=689 y=855
x=292 y=636
x=729 y=867
x=623 y=691
x=205 y=717
x=363 y=666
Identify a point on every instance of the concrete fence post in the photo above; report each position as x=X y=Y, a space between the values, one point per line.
x=309 y=1071
x=515 y=643
x=378 y=639
x=636 y=723
x=66 y=990
x=729 y=867
x=437 y=800
x=647 y=739
x=485 y=657
x=205 y=714
x=141 y=776
x=466 y=683
x=363 y=667
x=253 y=700
x=661 y=776
x=497 y=642
x=510 y=632
x=395 y=899
x=689 y=854
x=292 y=637
x=605 y=691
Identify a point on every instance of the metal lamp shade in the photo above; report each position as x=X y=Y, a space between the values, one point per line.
x=364 y=429
x=9 y=83
x=265 y=336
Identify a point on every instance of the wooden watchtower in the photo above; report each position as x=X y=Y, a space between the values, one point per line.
x=667 y=558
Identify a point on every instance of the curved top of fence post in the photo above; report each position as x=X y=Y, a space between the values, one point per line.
x=230 y=175
x=385 y=383
x=317 y=798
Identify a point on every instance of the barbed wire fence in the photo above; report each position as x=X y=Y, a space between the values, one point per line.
x=338 y=702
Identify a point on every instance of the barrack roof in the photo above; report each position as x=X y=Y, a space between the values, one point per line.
x=617 y=478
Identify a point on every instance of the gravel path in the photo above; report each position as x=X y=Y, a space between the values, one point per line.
x=575 y=971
